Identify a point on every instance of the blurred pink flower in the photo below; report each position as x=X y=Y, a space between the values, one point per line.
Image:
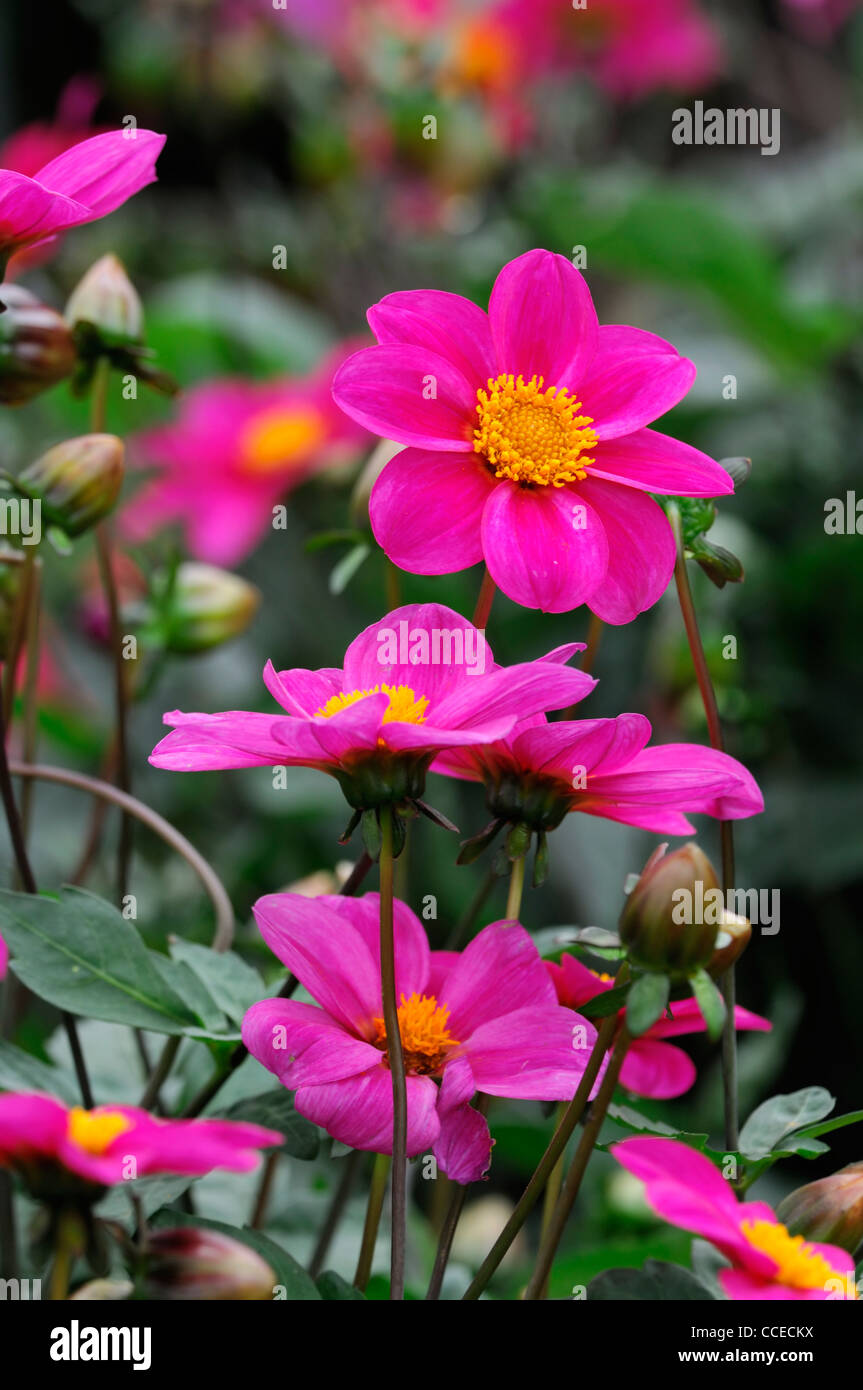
x=236 y=448
x=527 y=440
x=419 y=680
x=485 y=1019
x=652 y=1067
x=603 y=767
x=80 y=185
x=113 y=1142
x=684 y=1188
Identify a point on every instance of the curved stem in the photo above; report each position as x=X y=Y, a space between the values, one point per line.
x=160 y=1072
x=450 y=1222
x=341 y=1196
x=224 y=932
x=586 y=1145
x=265 y=1188
x=516 y=889
x=395 y=1058
x=557 y=1144
x=552 y=1190
x=377 y=1192
x=485 y=599
x=714 y=731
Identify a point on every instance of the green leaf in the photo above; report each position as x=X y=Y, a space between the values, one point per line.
x=633 y=1119
x=646 y=1003
x=233 y=984
x=854 y=1117
x=769 y=1126
x=275 y=1110
x=21 y=1072
x=657 y=1281
x=709 y=999
x=297 y=1284
x=609 y=1002
x=334 y=1289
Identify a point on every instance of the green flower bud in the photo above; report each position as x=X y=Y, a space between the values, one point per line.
x=77 y=482
x=193 y=1263
x=829 y=1210
x=733 y=937
x=36 y=347
x=107 y=300
x=208 y=606
x=670 y=921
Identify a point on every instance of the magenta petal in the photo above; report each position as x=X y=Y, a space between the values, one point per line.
x=403 y=737
x=416 y=634
x=426 y=510
x=534 y=1053
x=302 y=692
x=686 y=1017
x=106 y=170
x=30 y=1123
x=654 y=462
x=531 y=687
x=463 y=1147
x=592 y=744
x=656 y=818
x=301 y=1045
x=356 y=727
x=447 y=324
x=411 y=943
x=545 y=547
x=634 y=378
x=359 y=1111
x=498 y=972
x=641 y=551
x=408 y=394
x=542 y=319
x=740 y=1285
x=657 y=1069
x=441 y=964
x=237 y=738
x=689 y=776
x=29 y=212
x=326 y=953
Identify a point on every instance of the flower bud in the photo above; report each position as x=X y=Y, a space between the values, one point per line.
x=77 y=482
x=670 y=921
x=193 y=1263
x=106 y=299
x=732 y=939
x=208 y=607
x=36 y=347
x=829 y=1210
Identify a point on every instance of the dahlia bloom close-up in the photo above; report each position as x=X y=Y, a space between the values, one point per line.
x=485 y=1019
x=527 y=439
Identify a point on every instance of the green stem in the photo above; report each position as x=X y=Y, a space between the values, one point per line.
x=377 y=1192
x=68 y=1244
x=395 y=1058
x=265 y=1188
x=160 y=1073
x=557 y=1144
x=450 y=1222
x=485 y=599
x=516 y=888
x=714 y=731
x=552 y=1190
x=586 y=1145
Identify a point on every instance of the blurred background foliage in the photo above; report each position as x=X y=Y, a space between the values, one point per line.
x=751 y=265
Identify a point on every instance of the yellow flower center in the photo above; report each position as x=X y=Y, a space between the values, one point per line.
x=533 y=434
x=484 y=55
x=404 y=705
x=95 y=1131
x=799 y=1265
x=425 y=1035
x=277 y=438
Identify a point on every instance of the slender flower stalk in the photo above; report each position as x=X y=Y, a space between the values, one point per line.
x=377 y=1192
x=265 y=1190
x=454 y=1210
x=560 y=1216
x=464 y=926
x=714 y=731
x=340 y=1199
x=395 y=1057
x=516 y=888
x=484 y=601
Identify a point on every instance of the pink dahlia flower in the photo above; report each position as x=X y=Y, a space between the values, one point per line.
x=603 y=768
x=684 y=1188
x=527 y=437
x=652 y=1067
x=39 y=1134
x=81 y=185
x=486 y=1019
x=419 y=680
x=243 y=445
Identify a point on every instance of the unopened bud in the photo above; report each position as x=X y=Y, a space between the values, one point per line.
x=77 y=482
x=829 y=1210
x=664 y=924
x=36 y=347
x=107 y=300
x=731 y=941
x=208 y=607
x=193 y=1263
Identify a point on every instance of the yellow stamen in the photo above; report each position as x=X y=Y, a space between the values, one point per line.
x=425 y=1035
x=602 y=977
x=95 y=1131
x=404 y=705
x=484 y=55
x=531 y=434
x=799 y=1265
x=277 y=438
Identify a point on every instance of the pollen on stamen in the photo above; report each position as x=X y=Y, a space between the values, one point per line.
x=532 y=433
x=425 y=1035
x=405 y=706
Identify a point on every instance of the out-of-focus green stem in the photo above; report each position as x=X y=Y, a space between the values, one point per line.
x=516 y=889
x=395 y=1058
x=377 y=1192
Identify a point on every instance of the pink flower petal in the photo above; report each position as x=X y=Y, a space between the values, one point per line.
x=528 y=688
x=688 y=1018
x=545 y=547
x=687 y=775
x=435 y=648
x=106 y=170
x=411 y=943
x=30 y=1123
x=302 y=1045
x=408 y=394
x=426 y=510
x=29 y=212
x=542 y=319
x=499 y=971
x=359 y=1111
x=641 y=551
x=655 y=462
x=534 y=1053
x=657 y=1069
x=633 y=379
x=302 y=692
x=237 y=738
x=596 y=745
x=449 y=325
x=463 y=1146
